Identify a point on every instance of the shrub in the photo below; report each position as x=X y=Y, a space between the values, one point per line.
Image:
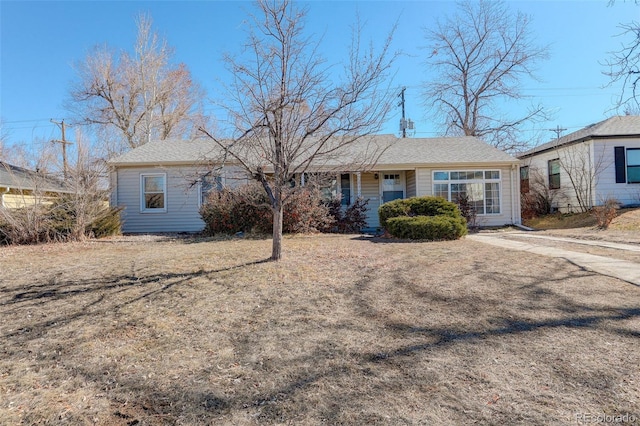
x=349 y=220
x=62 y=220
x=423 y=218
x=246 y=209
x=417 y=206
x=605 y=213
x=433 y=228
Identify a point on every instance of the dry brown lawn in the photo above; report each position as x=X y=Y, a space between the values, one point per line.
x=345 y=330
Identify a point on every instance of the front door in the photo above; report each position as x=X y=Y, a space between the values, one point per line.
x=392 y=186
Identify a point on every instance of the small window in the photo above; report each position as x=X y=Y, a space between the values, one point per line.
x=153 y=191
x=633 y=165
x=554 y=174
x=524 y=179
x=492 y=174
x=441 y=176
x=392 y=179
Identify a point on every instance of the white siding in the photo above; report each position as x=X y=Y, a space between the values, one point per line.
x=591 y=160
x=606 y=186
x=509 y=209
x=564 y=198
x=411 y=183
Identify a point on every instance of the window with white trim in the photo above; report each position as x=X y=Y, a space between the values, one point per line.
x=482 y=187
x=153 y=192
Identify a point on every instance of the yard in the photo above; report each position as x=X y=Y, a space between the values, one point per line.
x=345 y=330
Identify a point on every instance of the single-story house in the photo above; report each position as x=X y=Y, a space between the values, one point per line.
x=21 y=187
x=586 y=168
x=155 y=182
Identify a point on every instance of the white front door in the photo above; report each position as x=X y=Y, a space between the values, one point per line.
x=393 y=186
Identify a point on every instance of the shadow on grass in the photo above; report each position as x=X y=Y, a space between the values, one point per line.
x=138 y=399
x=39 y=294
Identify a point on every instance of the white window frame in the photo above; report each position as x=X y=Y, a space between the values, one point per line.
x=143 y=204
x=483 y=181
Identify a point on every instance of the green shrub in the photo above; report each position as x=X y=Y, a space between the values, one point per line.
x=417 y=206
x=434 y=228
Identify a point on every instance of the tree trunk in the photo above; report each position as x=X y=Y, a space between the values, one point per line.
x=276 y=250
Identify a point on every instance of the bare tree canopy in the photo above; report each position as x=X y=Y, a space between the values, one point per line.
x=290 y=108
x=480 y=56
x=624 y=66
x=139 y=97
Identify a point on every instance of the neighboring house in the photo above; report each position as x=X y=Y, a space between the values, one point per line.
x=585 y=168
x=155 y=182
x=21 y=187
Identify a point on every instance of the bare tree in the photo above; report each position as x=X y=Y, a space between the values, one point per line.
x=140 y=97
x=290 y=109
x=480 y=56
x=624 y=66
x=583 y=170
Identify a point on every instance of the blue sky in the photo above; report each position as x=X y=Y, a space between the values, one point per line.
x=41 y=40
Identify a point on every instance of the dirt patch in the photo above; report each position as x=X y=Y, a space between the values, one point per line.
x=343 y=331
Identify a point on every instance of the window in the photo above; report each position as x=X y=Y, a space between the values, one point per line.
x=633 y=165
x=524 y=179
x=209 y=183
x=554 y=174
x=481 y=187
x=153 y=193
x=345 y=189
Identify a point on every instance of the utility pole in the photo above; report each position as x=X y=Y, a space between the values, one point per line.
x=64 y=142
x=403 y=126
x=404 y=123
x=557 y=131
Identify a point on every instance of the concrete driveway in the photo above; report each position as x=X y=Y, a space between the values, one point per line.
x=540 y=244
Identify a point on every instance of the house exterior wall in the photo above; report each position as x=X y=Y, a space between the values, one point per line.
x=587 y=172
x=606 y=186
x=509 y=192
x=574 y=159
x=411 y=183
x=183 y=199
x=182 y=202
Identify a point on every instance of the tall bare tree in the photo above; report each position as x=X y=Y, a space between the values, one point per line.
x=289 y=108
x=480 y=56
x=623 y=66
x=139 y=97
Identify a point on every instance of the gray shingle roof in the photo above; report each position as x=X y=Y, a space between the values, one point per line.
x=16 y=177
x=399 y=151
x=626 y=126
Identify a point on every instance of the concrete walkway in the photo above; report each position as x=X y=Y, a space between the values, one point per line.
x=621 y=269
